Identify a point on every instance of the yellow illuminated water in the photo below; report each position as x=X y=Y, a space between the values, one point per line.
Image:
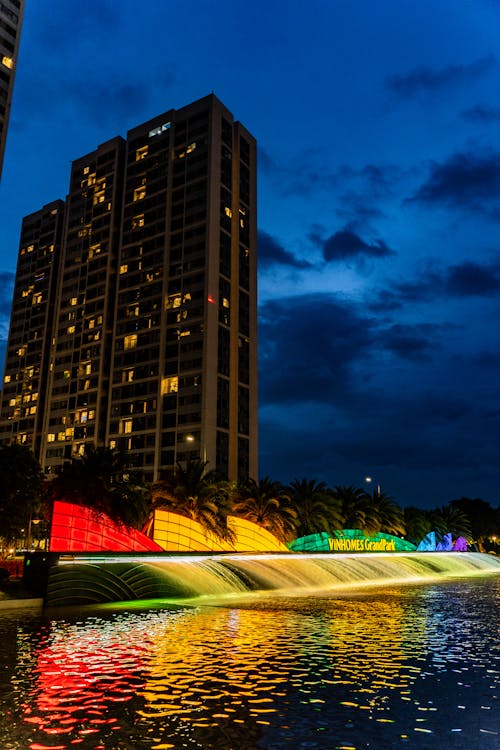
x=403 y=666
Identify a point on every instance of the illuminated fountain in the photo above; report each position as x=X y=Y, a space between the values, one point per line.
x=91 y=563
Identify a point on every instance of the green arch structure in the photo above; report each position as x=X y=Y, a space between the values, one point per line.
x=350 y=540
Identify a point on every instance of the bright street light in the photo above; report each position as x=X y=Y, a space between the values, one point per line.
x=369 y=480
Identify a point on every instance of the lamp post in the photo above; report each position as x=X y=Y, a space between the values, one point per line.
x=369 y=480
x=35 y=521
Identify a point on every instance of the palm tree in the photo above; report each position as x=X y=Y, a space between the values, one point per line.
x=453 y=519
x=358 y=509
x=98 y=480
x=417 y=524
x=268 y=504
x=390 y=515
x=192 y=492
x=316 y=506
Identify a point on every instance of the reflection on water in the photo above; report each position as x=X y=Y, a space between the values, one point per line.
x=410 y=666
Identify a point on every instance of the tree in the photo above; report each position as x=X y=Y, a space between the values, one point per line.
x=483 y=519
x=390 y=515
x=98 y=480
x=268 y=504
x=453 y=520
x=417 y=524
x=358 y=509
x=194 y=493
x=21 y=481
x=316 y=507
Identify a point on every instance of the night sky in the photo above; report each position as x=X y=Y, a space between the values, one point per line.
x=378 y=126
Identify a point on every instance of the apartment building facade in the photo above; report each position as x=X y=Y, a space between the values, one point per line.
x=153 y=346
x=11 y=18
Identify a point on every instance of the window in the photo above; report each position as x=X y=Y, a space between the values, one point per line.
x=130 y=341
x=141 y=153
x=139 y=193
x=8 y=62
x=138 y=221
x=159 y=129
x=125 y=427
x=169 y=385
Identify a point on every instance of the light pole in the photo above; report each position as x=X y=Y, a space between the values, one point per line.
x=35 y=521
x=369 y=480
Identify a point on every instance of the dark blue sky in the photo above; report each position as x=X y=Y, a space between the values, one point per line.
x=379 y=138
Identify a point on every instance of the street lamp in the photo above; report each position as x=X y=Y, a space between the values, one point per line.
x=191 y=439
x=369 y=480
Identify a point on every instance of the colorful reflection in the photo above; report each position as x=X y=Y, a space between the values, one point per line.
x=415 y=665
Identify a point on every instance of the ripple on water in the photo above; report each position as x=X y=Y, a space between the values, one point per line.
x=415 y=666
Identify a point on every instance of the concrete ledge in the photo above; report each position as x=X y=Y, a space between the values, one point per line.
x=20 y=603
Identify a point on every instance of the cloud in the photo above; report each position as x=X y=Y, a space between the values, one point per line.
x=425 y=79
x=312 y=361
x=346 y=245
x=461 y=280
x=470 y=279
x=483 y=114
x=464 y=180
x=272 y=253
x=412 y=342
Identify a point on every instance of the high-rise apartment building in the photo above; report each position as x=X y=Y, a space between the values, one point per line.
x=149 y=303
x=11 y=17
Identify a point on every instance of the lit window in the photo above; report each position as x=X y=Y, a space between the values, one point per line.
x=51 y=437
x=12 y=402
x=94 y=250
x=21 y=351
x=130 y=341
x=30 y=248
x=169 y=385
x=225 y=302
x=71 y=329
x=128 y=376
x=159 y=129
x=8 y=62
x=6 y=379
x=32 y=409
x=99 y=197
x=138 y=221
x=73 y=301
x=140 y=193
x=124 y=268
x=141 y=153
x=181 y=334
x=190 y=148
x=228 y=212
x=173 y=300
x=125 y=427
x=112 y=444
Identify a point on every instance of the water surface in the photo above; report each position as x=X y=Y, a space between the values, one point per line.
x=414 y=666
